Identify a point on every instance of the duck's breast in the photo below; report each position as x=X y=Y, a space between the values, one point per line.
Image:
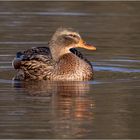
x=71 y=67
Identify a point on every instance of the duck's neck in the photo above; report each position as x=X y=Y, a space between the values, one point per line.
x=58 y=51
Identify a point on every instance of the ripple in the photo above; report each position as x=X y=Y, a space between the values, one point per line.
x=21 y=43
x=5 y=81
x=46 y=13
x=5 y=62
x=125 y=60
x=70 y=14
x=116 y=69
x=6 y=67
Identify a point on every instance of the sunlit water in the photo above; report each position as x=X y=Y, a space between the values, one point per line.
x=107 y=107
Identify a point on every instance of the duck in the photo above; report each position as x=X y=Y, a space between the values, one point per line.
x=58 y=61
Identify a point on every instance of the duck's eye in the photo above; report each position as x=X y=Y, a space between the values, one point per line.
x=72 y=35
x=84 y=42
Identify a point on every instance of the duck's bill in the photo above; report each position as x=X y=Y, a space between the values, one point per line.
x=83 y=44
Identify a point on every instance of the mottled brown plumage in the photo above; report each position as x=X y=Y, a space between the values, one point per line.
x=59 y=61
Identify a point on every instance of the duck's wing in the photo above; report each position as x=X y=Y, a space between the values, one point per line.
x=40 y=54
x=33 y=53
x=80 y=55
x=33 y=63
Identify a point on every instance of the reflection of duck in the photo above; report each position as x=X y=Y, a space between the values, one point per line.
x=47 y=88
x=59 y=61
x=61 y=109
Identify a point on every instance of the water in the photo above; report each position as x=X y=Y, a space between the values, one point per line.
x=107 y=107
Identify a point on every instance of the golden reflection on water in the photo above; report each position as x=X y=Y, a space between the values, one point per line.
x=70 y=110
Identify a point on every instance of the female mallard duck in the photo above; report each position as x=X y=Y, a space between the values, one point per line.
x=59 y=61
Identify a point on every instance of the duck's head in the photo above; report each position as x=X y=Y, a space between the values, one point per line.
x=66 y=38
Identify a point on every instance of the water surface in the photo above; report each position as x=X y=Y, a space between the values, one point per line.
x=107 y=107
